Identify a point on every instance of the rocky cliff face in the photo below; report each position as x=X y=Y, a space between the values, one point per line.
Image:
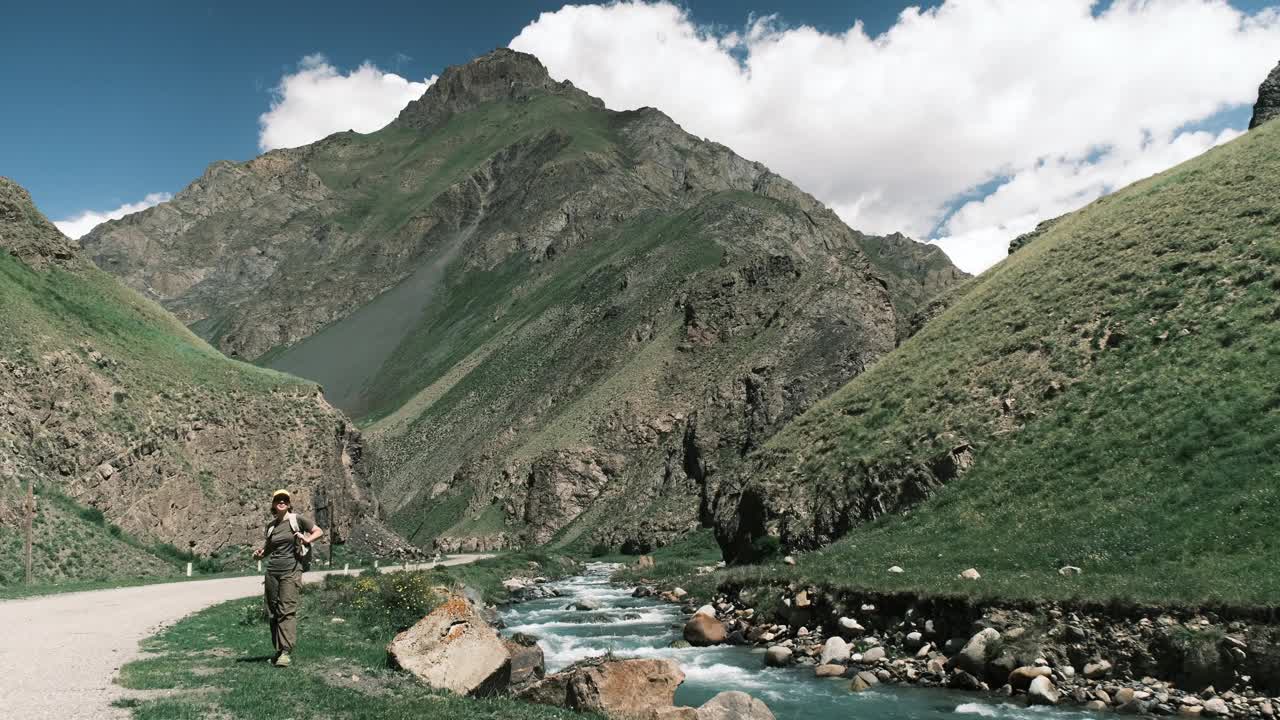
x=1268 y=105
x=551 y=310
x=108 y=400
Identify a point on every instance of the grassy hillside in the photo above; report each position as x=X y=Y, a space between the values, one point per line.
x=136 y=432
x=1108 y=397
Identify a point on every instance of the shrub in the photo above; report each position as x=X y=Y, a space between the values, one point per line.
x=255 y=613
x=93 y=515
x=765 y=548
x=600 y=550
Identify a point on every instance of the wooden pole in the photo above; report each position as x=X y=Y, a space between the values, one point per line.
x=30 y=508
x=333 y=524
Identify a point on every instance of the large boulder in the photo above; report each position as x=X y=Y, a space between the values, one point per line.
x=1268 y=105
x=1042 y=692
x=703 y=630
x=778 y=656
x=454 y=649
x=1020 y=678
x=528 y=665
x=835 y=650
x=972 y=658
x=620 y=689
x=734 y=705
x=864 y=680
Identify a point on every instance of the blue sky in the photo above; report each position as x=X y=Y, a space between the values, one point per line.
x=965 y=124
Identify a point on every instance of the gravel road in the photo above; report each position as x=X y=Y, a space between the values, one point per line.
x=60 y=653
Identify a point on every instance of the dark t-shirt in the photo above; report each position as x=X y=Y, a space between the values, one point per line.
x=279 y=548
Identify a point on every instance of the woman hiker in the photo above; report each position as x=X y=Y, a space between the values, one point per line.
x=287 y=536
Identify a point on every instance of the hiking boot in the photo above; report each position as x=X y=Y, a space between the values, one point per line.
x=283 y=660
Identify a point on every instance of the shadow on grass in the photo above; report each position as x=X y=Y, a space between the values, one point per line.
x=255 y=659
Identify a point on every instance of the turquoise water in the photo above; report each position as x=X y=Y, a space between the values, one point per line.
x=638 y=627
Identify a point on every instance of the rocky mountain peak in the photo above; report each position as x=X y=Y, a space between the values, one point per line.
x=27 y=234
x=1268 y=105
x=503 y=74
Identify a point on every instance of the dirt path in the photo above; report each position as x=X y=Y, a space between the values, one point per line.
x=59 y=653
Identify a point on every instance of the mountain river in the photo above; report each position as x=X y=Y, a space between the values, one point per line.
x=641 y=627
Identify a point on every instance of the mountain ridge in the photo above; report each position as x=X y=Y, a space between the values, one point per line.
x=537 y=305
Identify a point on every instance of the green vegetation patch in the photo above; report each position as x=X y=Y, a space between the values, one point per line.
x=215 y=663
x=1116 y=383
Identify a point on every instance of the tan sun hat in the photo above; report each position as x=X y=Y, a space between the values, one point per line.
x=278 y=493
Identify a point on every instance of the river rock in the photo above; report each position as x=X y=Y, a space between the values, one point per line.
x=972 y=658
x=778 y=656
x=1021 y=677
x=849 y=628
x=644 y=562
x=970 y=574
x=873 y=655
x=734 y=705
x=1042 y=692
x=1122 y=696
x=709 y=610
x=704 y=630
x=616 y=688
x=454 y=649
x=528 y=665
x=1216 y=707
x=829 y=670
x=961 y=680
x=864 y=680
x=1097 y=670
x=587 y=604
x=834 y=650
x=913 y=640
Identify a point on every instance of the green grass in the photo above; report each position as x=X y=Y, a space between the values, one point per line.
x=214 y=663
x=675 y=564
x=1139 y=341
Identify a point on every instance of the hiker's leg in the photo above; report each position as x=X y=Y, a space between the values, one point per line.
x=272 y=593
x=290 y=589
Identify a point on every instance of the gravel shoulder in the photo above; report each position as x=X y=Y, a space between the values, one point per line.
x=60 y=653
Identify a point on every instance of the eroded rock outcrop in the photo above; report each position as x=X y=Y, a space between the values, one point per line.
x=113 y=403
x=1268 y=105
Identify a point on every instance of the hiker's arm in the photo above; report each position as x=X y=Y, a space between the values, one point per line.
x=311 y=535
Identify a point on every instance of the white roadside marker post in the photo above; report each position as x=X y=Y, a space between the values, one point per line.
x=188 y=569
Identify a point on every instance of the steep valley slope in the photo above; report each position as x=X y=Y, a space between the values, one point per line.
x=558 y=323
x=1107 y=399
x=130 y=427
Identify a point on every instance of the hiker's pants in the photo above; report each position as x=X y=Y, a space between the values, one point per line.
x=282 y=605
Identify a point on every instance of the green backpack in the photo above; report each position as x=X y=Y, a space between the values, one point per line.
x=301 y=551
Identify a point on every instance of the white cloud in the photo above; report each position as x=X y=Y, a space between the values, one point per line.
x=82 y=223
x=893 y=131
x=318 y=100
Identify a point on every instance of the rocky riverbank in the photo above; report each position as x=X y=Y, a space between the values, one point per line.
x=1134 y=660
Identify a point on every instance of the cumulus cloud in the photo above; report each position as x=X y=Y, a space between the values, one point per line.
x=75 y=227
x=318 y=100
x=1050 y=102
